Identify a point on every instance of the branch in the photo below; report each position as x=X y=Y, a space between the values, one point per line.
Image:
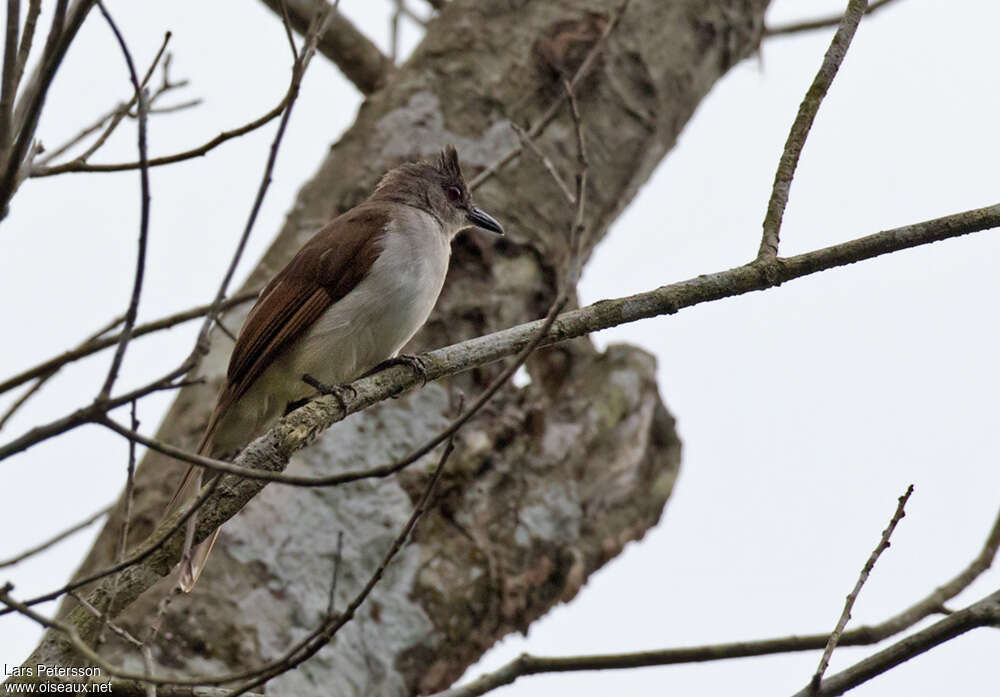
x=546 y=118
x=985 y=613
x=821 y=23
x=379 y=471
x=297 y=654
x=55 y=539
x=203 y=149
x=30 y=22
x=97 y=344
x=140 y=264
x=272 y=451
x=845 y=616
x=65 y=25
x=302 y=426
x=115 y=116
x=8 y=76
x=355 y=54
x=803 y=122
x=526 y=664
x=308 y=647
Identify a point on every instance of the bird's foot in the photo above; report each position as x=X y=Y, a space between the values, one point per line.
x=338 y=392
x=414 y=363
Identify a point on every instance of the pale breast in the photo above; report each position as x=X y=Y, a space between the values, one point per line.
x=385 y=310
x=365 y=327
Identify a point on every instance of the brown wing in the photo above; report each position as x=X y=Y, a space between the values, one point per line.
x=326 y=269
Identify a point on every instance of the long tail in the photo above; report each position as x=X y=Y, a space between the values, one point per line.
x=195 y=556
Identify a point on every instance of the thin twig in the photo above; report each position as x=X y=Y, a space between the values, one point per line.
x=140 y=264
x=129 y=495
x=985 y=613
x=337 y=557
x=59 y=537
x=845 y=616
x=539 y=126
x=119 y=112
x=405 y=11
x=308 y=647
x=298 y=72
x=8 y=76
x=44 y=377
x=394 y=31
x=94 y=345
x=578 y=229
x=27 y=38
x=379 y=471
x=821 y=23
x=120 y=631
x=287 y=22
x=357 y=56
x=299 y=652
x=603 y=314
x=529 y=142
x=800 y=127
x=203 y=149
x=156 y=540
x=65 y=26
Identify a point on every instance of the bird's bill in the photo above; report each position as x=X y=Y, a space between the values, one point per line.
x=482 y=219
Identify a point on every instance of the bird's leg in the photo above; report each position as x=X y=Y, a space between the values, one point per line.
x=415 y=363
x=335 y=391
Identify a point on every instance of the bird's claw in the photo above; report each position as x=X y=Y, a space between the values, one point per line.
x=335 y=391
x=414 y=363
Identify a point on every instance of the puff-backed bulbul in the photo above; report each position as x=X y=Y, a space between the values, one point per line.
x=346 y=302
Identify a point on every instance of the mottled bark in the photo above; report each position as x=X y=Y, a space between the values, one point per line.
x=554 y=479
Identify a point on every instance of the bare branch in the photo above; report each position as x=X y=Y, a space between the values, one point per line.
x=96 y=344
x=324 y=411
x=153 y=544
x=94 y=411
x=529 y=142
x=299 y=652
x=140 y=264
x=298 y=429
x=127 y=522
x=985 y=613
x=355 y=54
x=287 y=22
x=30 y=22
x=309 y=646
x=546 y=118
x=8 y=77
x=59 y=537
x=124 y=634
x=803 y=122
x=883 y=544
x=298 y=72
x=65 y=25
x=76 y=166
x=821 y=23
x=578 y=228
x=379 y=471
x=526 y=665
x=115 y=115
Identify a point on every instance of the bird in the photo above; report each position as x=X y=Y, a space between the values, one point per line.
x=347 y=302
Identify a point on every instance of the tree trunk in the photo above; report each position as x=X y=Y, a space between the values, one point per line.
x=553 y=479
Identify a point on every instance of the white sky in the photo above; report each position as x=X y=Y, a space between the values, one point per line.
x=805 y=411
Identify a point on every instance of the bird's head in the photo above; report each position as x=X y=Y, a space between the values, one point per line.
x=439 y=189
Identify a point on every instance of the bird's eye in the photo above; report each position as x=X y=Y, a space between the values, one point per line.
x=454 y=194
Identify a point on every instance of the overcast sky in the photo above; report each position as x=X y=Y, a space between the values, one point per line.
x=805 y=410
